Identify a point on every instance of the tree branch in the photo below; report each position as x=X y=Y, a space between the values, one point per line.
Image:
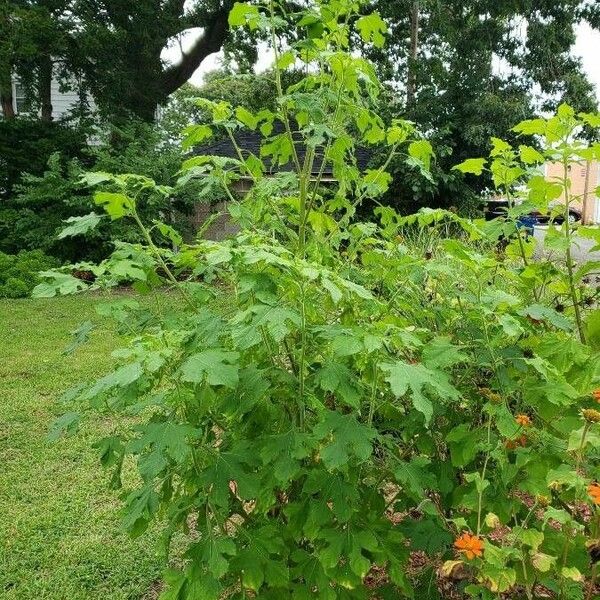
x=214 y=35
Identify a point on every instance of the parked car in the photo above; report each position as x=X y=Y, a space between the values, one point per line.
x=497 y=207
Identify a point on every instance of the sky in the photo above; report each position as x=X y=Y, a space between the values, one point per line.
x=587 y=48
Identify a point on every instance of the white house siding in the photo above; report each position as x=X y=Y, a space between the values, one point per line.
x=63 y=99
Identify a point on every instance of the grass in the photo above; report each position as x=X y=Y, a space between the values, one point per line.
x=60 y=535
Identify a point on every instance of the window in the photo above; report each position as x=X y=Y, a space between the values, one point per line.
x=20 y=98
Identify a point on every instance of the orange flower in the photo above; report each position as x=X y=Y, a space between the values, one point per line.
x=471 y=545
x=594 y=492
x=596 y=395
x=523 y=420
x=512 y=444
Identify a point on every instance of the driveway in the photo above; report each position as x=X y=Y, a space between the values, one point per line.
x=580 y=249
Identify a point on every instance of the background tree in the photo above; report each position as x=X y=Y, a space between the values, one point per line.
x=464 y=71
x=119 y=43
x=32 y=48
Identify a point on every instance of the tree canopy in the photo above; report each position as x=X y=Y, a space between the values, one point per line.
x=113 y=46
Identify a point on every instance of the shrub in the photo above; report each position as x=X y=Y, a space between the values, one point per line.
x=26 y=146
x=332 y=411
x=19 y=273
x=42 y=202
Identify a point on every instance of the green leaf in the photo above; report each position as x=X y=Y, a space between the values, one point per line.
x=65 y=425
x=344 y=438
x=336 y=378
x=403 y=377
x=397 y=134
x=591 y=119
x=539 y=312
x=530 y=537
x=96 y=177
x=213 y=552
x=169 y=232
x=140 y=507
x=471 y=165
x=592 y=328
x=463 y=443
x=122 y=377
x=194 y=135
x=159 y=443
x=440 y=353
x=415 y=477
x=116 y=205
x=175 y=582
x=215 y=366
x=500 y=578
x=592 y=438
x=81 y=335
x=228 y=466
x=428 y=534
x=530 y=156
x=245 y=117
x=286 y=59
x=241 y=13
x=531 y=127
x=263 y=560
x=283 y=454
x=372 y=28
x=59 y=284
x=80 y=225
x=422 y=152
x=543 y=562
x=499 y=147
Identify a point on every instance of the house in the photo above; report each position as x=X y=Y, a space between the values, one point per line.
x=64 y=98
x=585 y=178
x=249 y=142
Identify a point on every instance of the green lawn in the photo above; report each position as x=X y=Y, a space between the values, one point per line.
x=60 y=534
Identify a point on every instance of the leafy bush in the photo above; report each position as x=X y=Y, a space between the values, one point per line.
x=42 y=202
x=26 y=146
x=19 y=273
x=331 y=411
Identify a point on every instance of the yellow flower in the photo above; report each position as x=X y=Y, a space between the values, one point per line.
x=470 y=545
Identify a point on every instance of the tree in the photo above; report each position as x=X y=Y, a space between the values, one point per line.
x=31 y=48
x=465 y=71
x=119 y=43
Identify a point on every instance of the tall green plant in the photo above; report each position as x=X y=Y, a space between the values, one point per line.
x=517 y=174
x=327 y=411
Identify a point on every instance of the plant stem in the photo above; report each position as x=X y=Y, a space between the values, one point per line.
x=483 y=471
x=286 y=120
x=301 y=375
x=161 y=261
x=584 y=433
x=373 y=394
x=590 y=591
x=569 y=258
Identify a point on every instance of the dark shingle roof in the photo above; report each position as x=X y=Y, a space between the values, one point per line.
x=250 y=141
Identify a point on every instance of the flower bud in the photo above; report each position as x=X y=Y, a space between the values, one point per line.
x=591 y=415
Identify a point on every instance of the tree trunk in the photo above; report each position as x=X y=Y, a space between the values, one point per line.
x=45 y=87
x=6 y=91
x=6 y=100
x=411 y=83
